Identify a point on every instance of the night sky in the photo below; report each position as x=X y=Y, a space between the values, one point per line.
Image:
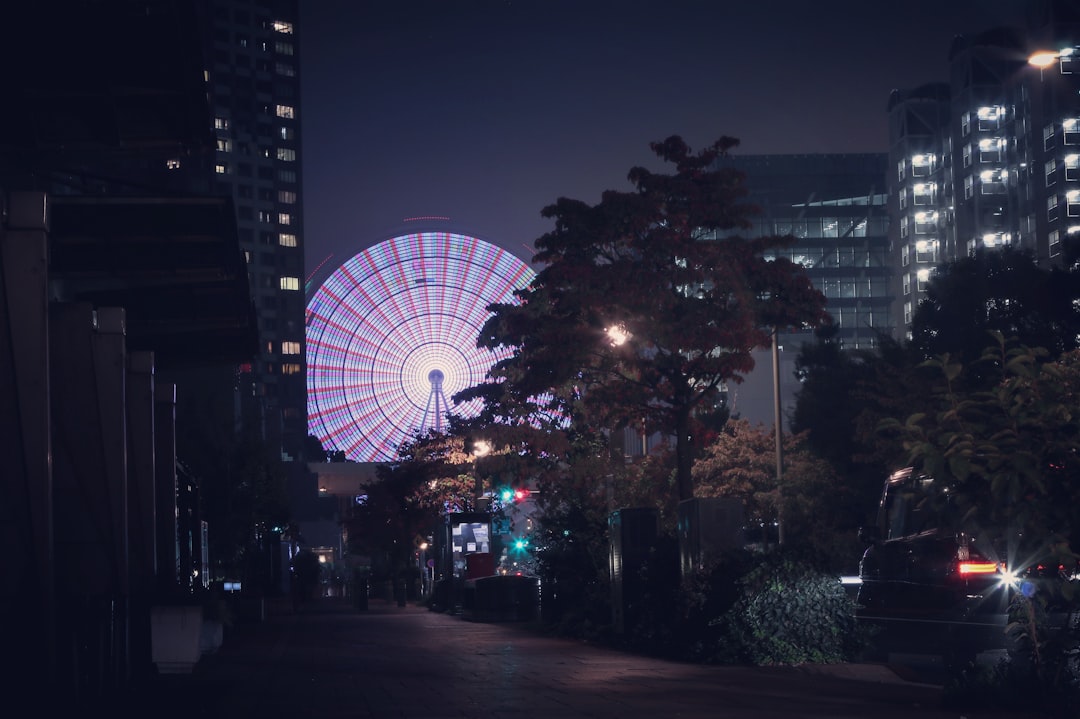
x=487 y=111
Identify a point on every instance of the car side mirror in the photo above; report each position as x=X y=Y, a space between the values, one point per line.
x=869 y=535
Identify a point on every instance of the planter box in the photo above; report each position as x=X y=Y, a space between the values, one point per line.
x=176 y=638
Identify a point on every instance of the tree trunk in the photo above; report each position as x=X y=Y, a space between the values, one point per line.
x=684 y=455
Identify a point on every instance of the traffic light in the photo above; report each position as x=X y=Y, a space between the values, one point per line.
x=509 y=494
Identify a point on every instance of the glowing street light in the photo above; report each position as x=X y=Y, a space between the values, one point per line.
x=617 y=335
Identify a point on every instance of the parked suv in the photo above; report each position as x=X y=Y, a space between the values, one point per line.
x=924 y=582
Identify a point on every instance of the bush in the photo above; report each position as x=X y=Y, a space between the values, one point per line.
x=787 y=612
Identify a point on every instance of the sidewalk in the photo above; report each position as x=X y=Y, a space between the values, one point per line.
x=332 y=660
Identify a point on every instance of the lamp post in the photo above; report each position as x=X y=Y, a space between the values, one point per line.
x=480 y=448
x=779 y=436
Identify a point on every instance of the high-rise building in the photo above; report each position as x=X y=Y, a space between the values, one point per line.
x=253 y=78
x=992 y=156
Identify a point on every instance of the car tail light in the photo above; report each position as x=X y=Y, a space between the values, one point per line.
x=975 y=567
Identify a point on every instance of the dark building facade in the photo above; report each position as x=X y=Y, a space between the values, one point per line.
x=135 y=305
x=835 y=207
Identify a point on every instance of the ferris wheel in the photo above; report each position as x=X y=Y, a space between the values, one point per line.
x=391 y=335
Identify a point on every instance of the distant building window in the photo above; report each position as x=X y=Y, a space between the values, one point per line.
x=221 y=123
x=290 y=348
x=286 y=133
x=286 y=197
x=283 y=48
x=287 y=176
x=1071 y=131
x=1072 y=168
x=287 y=239
x=264 y=216
x=1051 y=172
x=221 y=168
x=1052 y=208
x=284 y=218
x=224 y=144
x=282 y=26
x=290 y=283
x=286 y=154
x=1048 y=137
x=922 y=165
x=173 y=164
x=900 y=170
x=290 y=368
x=1055 y=243
x=285 y=111
x=285 y=69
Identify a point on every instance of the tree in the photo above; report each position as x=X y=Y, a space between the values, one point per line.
x=1000 y=290
x=1006 y=456
x=648 y=302
x=742 y=464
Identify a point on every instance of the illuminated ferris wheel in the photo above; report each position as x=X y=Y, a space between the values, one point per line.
x=391 y=334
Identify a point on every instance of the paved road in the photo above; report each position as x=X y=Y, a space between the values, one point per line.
x=330 y=661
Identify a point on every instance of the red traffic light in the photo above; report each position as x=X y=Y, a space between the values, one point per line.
x=520 y=495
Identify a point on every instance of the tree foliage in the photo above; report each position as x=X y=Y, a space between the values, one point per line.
x=811 y=499
x=647 y=303
x=1001 y=290
x=1006 y=456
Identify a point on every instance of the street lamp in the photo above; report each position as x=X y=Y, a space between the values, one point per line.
x=480 y=448
x=779 y=436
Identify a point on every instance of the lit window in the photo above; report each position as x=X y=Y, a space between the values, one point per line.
x=221 y=123
x=924 y=193
x=286 y=154
x=1051 y=171
x=286 y=133
x=290 y=368
x=173 y=164
x=1072 y=203
x=282 y=26
x=286 y=111
x=290 y=348
x=1052 y=208
x=1071 y=130
x=221 y=168
x=224 y=144
x=922 y=165
x=900 y=170
x=969 y=187
x=284 y=218
x=1072 y=168
x=1055 y=243
x=923 y=276
x=286 y=239
x=286 y=197
x=990 y=117
x=990 y=149
x=925 y=222
x=290 y=283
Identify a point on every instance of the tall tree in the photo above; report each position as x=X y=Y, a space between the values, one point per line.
x=1002 y=290
x=648 y=302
